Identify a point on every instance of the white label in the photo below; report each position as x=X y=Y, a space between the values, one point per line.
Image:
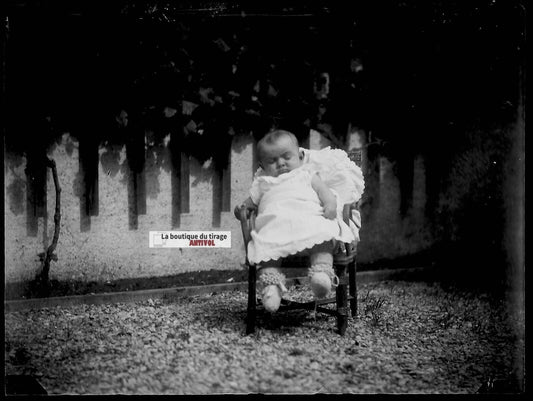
x=190 y=239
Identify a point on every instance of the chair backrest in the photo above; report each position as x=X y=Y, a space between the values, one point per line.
x=356 y=155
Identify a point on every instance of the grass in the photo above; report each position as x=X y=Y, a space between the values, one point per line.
x=373 y=307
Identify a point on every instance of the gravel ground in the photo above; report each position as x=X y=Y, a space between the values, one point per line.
x=409 y=338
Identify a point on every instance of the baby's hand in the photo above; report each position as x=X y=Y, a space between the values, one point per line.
x=330 y=210
x=249 y=206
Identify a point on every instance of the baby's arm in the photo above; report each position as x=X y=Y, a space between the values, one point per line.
x=329 y=202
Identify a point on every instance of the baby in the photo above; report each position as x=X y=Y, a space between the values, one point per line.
x=297 y=213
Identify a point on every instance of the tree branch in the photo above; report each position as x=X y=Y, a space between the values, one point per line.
x=57 y=219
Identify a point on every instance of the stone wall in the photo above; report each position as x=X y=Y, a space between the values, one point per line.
x=106 y=246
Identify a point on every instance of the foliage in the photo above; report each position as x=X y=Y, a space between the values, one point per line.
x=163 y=64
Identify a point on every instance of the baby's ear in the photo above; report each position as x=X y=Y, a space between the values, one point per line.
x=301 y=154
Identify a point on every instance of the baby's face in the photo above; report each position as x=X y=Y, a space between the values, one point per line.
x=280 y=157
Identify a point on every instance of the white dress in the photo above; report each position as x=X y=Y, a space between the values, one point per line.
x=290 y=216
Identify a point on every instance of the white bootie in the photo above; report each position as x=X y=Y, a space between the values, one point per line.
x=271 y=298
x=322 y=279
x=274 y=288
x=320 y=284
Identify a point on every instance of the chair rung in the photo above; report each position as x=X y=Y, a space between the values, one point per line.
x=296 y=305
x=331 y=312
x=343 y=259
x=309 y=307
x=291 y=305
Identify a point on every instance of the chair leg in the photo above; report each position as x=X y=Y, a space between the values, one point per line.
x=342 y=300
x=252 y=300
x=352 y=269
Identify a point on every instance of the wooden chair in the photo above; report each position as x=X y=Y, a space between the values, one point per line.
x=345 y=268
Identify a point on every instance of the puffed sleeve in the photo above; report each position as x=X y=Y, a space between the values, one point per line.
x=256 y=192
x=337 y=171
